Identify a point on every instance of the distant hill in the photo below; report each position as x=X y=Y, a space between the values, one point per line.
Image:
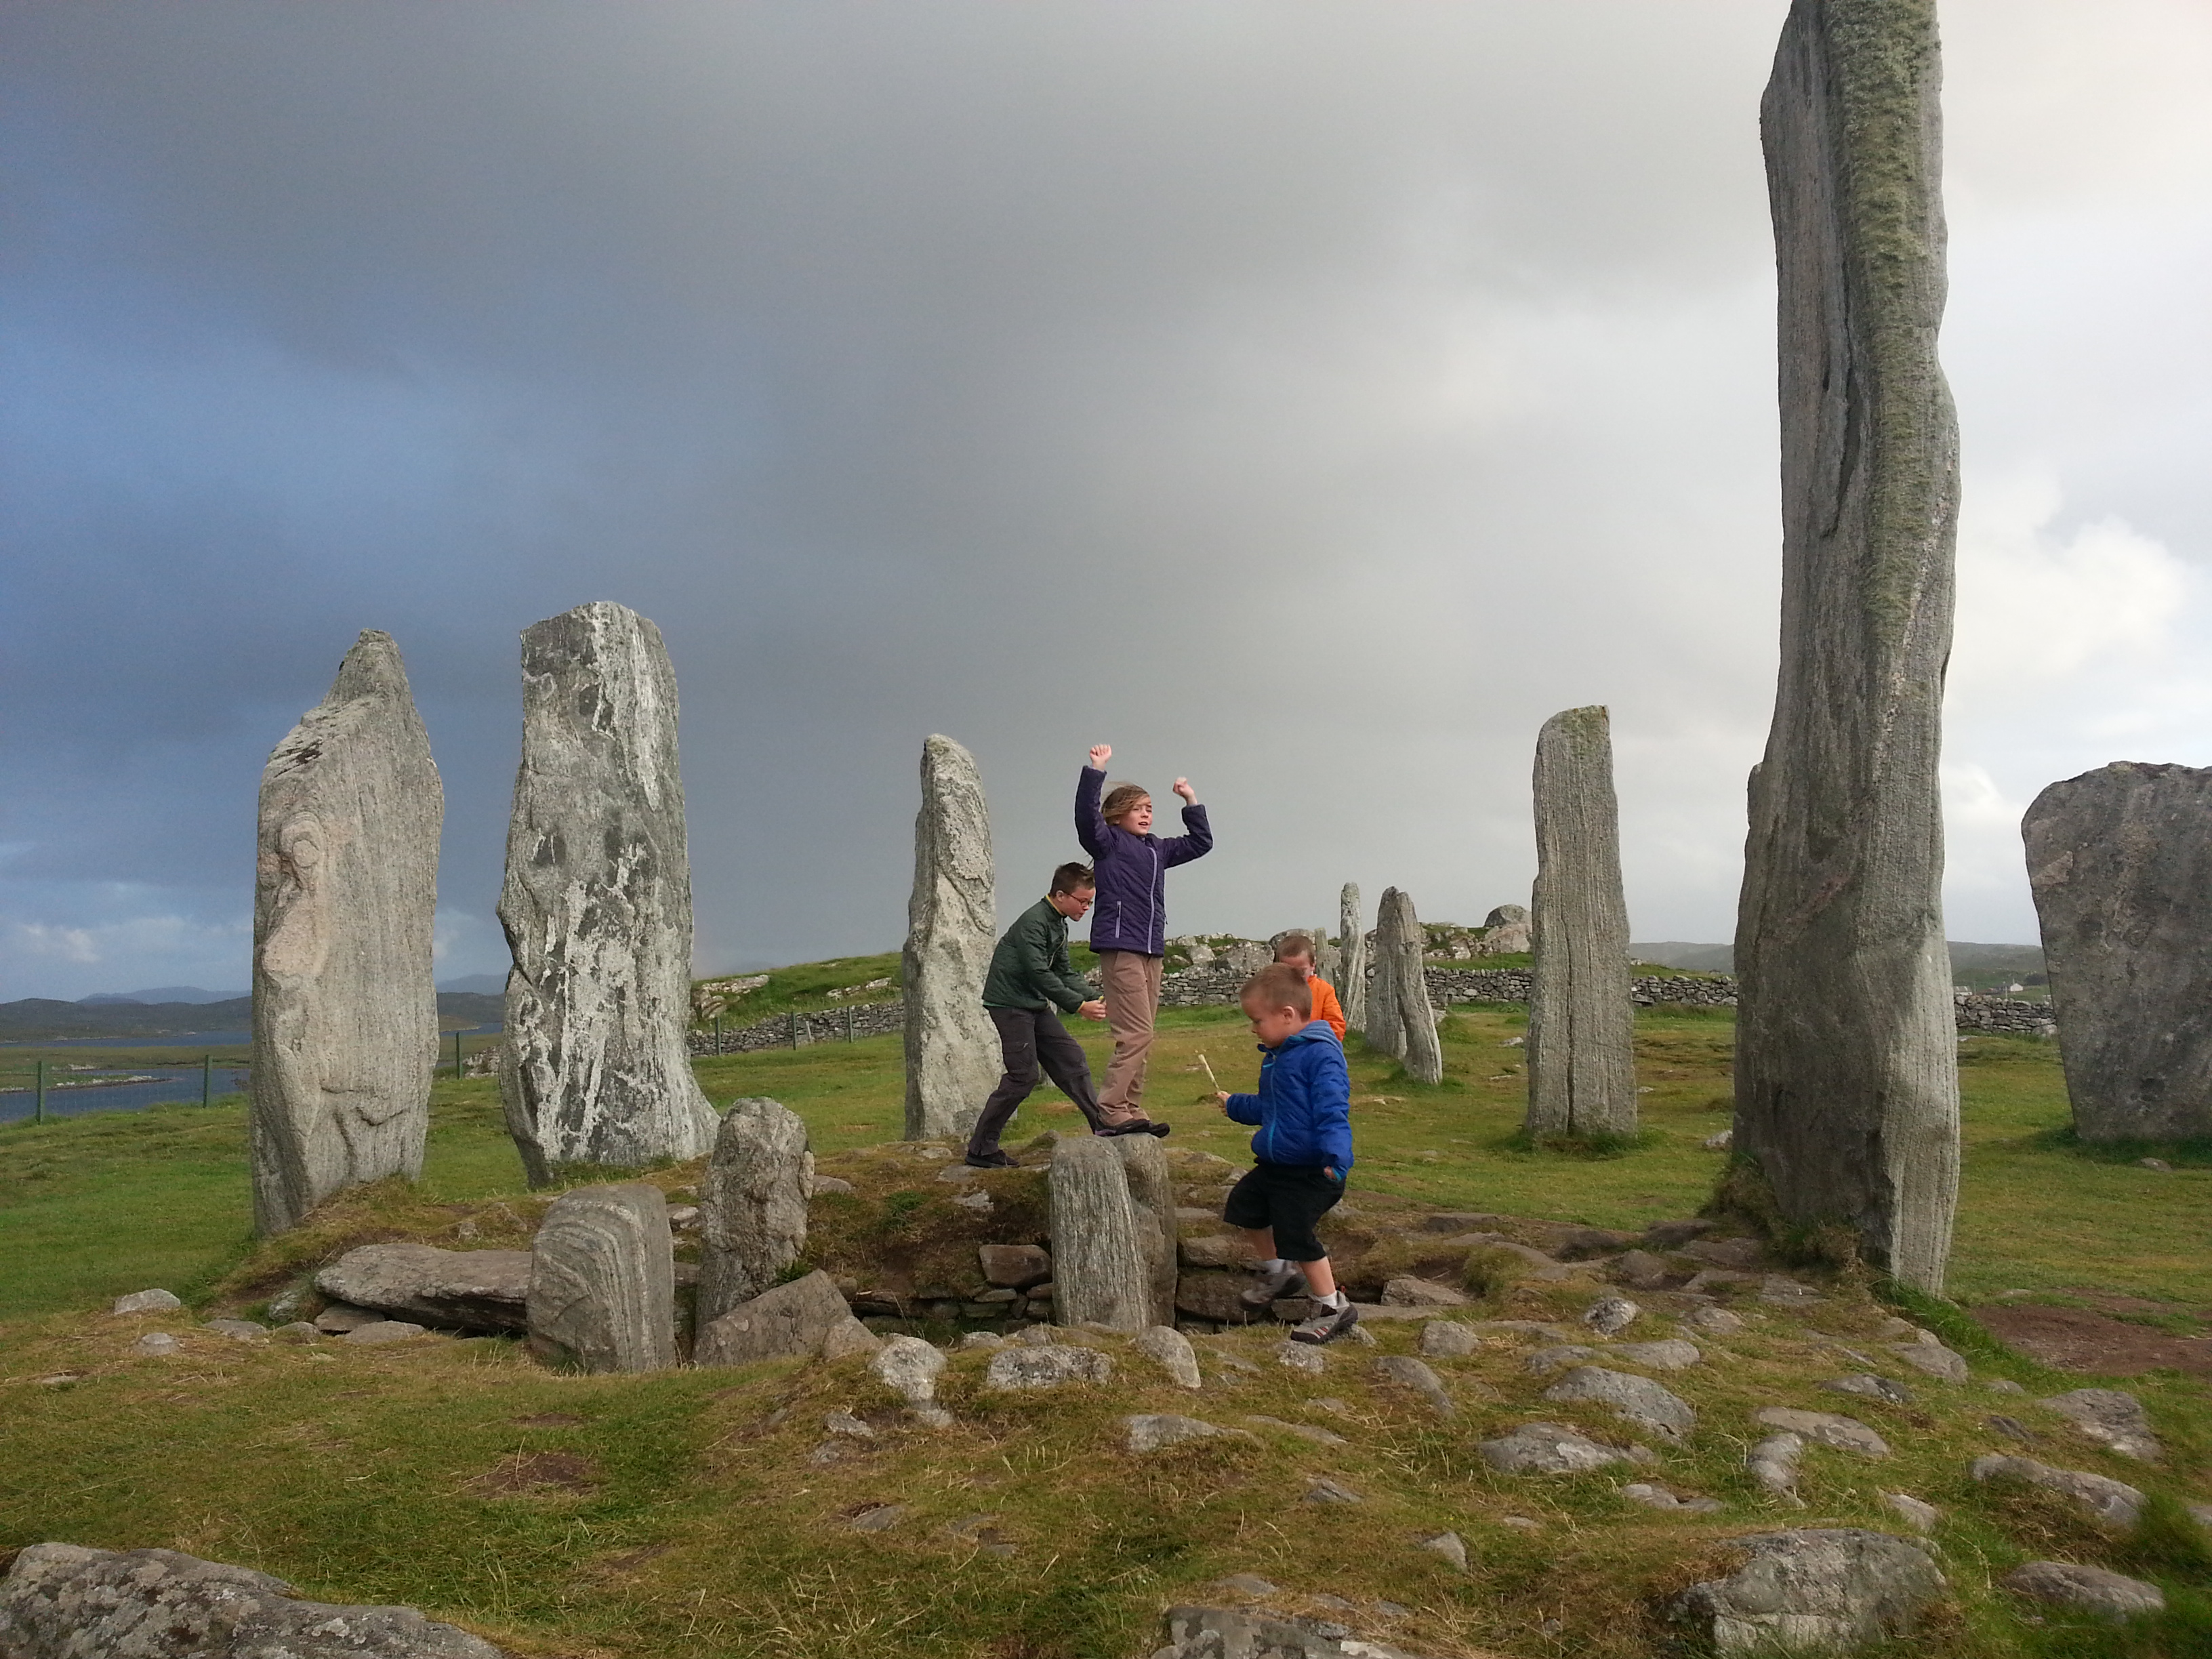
x=1691 y=958
x=38 y=1019
x=482 y=985
x=1970 y=965
x=163 y=993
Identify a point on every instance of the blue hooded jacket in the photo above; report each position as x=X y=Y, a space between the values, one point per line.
x=1131 y=871
x=1303 y=1108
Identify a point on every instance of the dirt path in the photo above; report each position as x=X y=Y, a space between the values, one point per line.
x=2080 y=1340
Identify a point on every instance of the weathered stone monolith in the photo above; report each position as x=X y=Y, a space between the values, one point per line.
x=1152 y=1202
x=345 y=889
x=2120 y=859
x=603 y=1280
x=1400 y=1020
x=1352 y=959
x=1582 y=1023
x=952 y=1059
x=597 y=904
x=752 y=1205
x=1846 y=1079
x=1100 y=1267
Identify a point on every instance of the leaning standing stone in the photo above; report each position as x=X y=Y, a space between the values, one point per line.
x=597 y=904
x=1846 y=1076
x=345 y=889
x=2121 y=862
x=752 y=1205
x=1581 y=1025
x=1100 y=1269
x=951 y=1048
x=1352 y=960
x=603 y=1280
x=1399 y=1002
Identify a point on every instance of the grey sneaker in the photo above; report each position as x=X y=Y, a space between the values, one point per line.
x=1285 y=1280
x=1325 y=1324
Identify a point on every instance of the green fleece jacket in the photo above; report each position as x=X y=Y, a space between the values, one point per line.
x=1030 y=970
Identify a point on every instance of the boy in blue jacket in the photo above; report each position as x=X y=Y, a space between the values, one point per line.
x=1303 y=1150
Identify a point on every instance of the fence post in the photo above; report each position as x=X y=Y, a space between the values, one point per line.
x=458 y=1072
x=718 y=1034
x=207 y=1079
x=794 y=1028
x=848 y=1025
x=38 y=1108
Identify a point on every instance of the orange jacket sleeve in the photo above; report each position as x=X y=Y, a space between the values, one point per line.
x=1325 y=1005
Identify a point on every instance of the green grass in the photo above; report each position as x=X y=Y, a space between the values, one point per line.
x=680 y=1513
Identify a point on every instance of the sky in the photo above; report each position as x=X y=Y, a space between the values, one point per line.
x=1306 y=398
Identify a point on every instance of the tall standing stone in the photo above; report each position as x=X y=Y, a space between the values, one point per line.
x=597 y=904
x=1400 y=1020
x=603 y=1280
x=951 y=1048
x=345 y=890
x=1152 y=1204
x=1582 y=1023
x=2120 y=859
x=1846 y=1081
x=1101 y=1269
x=1352 y=959
x=752 y=1205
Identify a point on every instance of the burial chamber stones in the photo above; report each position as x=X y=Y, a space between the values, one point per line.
x=951 y=1047
x=345 y=888
x=1846 y=1075
x=2120 y=860
x=597 y=904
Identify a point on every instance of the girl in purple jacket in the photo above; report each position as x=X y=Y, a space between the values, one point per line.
x=1128 y=927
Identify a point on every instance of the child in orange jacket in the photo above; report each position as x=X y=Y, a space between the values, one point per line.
x=1296 y=950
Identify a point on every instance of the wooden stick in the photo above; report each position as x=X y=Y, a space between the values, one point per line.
x=1210 y=1078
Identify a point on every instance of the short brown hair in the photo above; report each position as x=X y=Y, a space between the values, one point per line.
x=1294 y=945
x=1278 y=986
x=1123 y=797
x=1069 y=878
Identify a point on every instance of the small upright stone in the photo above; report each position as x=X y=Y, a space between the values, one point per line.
x=951 y=1048
x=597 y=905
x=1101 y=1269
x=1352 y=960
x=2120 y=860
x=345 y=889
x=602 y=1279
x=1152 y=1205
x=1582 y=1023
x=752 y=1205
x=1170 y=1349
x=1399 y=1018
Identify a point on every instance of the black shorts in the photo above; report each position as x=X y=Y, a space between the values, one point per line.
x=1289 y=1198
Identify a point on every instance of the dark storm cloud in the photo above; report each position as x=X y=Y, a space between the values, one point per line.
x=1308 y=399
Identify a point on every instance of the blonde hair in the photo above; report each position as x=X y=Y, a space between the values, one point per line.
x=1277 y=986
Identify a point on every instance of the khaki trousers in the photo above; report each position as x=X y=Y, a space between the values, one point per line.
x=1133 y=993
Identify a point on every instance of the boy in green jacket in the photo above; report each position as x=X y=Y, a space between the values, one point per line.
x=1029 y=977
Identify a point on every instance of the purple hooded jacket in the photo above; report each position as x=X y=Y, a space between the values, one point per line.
x=1131 y=911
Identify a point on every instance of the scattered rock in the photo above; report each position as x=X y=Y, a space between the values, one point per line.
x=1642 y=1270
x=846 y=1424
x=1673 y=1354
x=1421 y=1293
x=1545 y=1448
x=2113 y=1502
x=1046 y=1368
x=1014 y=1267
x=2111 y=1417
x=1824 y=1429
x=2003 y=1385
x=2158 y=1163
x=1447 y=1338
x=1448 y=1545
x=602 y=1277
x=1921 y=1517
x=1304 y=1430
x=830 y=1184
x=60 y=1601
x=1214 y=1250
x=1582 y=1243
x=144 y=1302
x=752 y=1202
x=1325 y=1491
x=1215 y=1295
x=1720 y=1142
x=1931 y=1357
x=1557 y=1358
x=801 y=1317
x=1246 y=1583
x=2011 y=1427
x=1673 y=1234
x=157 y=1342
x=337 y=1320
x=1871 y=1388
x=882 y=1518
x=383 y=1331
x=978 y=1201
x=2108 y=1595
x=1658 y=1498
x=1737 y=1252
x=1816 y=1589
x=1410 y=1373
x=238 y=1330
x=1717 y=1320
x=909 y=1367
x=1774 y=1464
x=1709 y=1279
x=1610 y=1315
x=1151 y=1431
x=1637 y=1399
x=1170 y=1349
x=1780 y=1291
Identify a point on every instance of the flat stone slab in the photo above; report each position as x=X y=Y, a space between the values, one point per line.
x=2115 y=1502
x=1815 y=1589
x=452 y=1289
x=2111 y=1417
x=1637 y=1399
x=1026 y=1367
x=1547 y=1449
x=2110 y=1595
x=1152 y=1432
x=1824 y=1429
